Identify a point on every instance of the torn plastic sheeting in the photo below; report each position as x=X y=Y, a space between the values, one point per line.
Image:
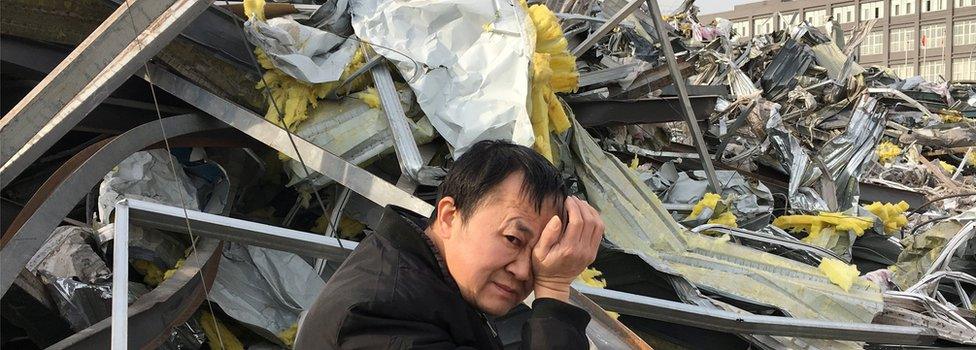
x=637 y=222
x=305 y=53
x=145 y=175
x=264 y=289
x=354 y=131
x=186 y=336
x=84 y=304
x=67 y=254
x=467 y=62
x=751 y=202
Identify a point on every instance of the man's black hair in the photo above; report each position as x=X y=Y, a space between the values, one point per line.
x=487 y=163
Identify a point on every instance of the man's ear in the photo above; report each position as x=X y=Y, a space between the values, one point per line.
x=447 y=217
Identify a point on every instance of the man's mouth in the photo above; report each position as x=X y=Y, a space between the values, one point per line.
x=506 y=290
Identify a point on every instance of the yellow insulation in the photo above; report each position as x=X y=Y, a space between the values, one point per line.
x=711 y=200
x=219 y=337
x=287 y=336
x=887 y=151
x=892 y=215
x=553 y=70
x=593 y=278
x=254 y=9
x=839 y=272
x=812 y=224
x=948 y=168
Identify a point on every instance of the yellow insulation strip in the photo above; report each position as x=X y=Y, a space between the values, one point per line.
x=593 y=278
x=812 y=224
x=887 y=151
x=948 y=168
x=711 y=200
x=553 y=70
x=254 y=9
x=152 y=274
x=287 y=336
x=892 y=215
x=370 y=97
x=839 y=272
x=225 y=340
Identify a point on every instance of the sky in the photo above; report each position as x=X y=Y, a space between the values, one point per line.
x=706 y=6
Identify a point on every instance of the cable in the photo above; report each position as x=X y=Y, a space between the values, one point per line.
x=172 y=166
x=936 y=199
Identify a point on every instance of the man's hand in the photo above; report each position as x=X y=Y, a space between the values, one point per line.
x=561 y=255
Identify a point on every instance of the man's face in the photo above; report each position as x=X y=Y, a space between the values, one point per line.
x=489 y=254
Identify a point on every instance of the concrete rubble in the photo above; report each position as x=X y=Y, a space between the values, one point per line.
x=782 y=196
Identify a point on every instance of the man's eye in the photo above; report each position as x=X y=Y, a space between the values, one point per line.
x=512 y=239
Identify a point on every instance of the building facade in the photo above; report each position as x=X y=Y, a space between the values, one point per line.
x=932 y=38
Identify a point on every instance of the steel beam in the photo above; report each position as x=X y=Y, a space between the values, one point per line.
x=349 y=175
x=132 y=35
x=731 y=322
x=679 y=83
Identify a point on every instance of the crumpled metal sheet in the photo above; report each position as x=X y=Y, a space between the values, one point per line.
x=471 y=82
x=145 y=175
x=308 y=54
x=637 y=222
x=264 y=289
x=921 y=251
x=354 y=131
x=795 y=160
x=780 y=76
x=847 y=155
x=752 y=204
x=67 y=254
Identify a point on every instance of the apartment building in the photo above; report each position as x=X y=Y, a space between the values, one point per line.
x=932 y=38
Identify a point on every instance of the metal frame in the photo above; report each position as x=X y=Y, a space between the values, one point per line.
x=145 y=214
x=732 y=322
x=53 y=205
x=406 y=148
x=100 y=64
x=742 y=233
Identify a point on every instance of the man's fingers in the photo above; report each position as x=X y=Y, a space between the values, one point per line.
x=597 y=236
x=550 y=235
x=586 y=213
x=575 y=226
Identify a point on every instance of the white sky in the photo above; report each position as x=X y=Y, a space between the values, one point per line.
x=706 y=6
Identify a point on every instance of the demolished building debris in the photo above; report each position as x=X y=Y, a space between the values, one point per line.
x=180 y=174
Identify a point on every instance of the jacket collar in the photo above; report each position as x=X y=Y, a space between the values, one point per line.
x=405 y=230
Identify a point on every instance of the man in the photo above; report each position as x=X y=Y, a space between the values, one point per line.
x=503 y=227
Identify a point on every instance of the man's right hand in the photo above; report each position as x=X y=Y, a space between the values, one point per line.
x=561 y=255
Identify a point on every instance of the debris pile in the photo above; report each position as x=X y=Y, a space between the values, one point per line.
x=778 y=180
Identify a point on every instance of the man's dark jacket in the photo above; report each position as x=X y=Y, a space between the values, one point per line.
x=393 y=293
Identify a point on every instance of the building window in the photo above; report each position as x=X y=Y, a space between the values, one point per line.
x=816 y=18
x=964 y=33
x=933 y=5
x=873 y=43
x=964 y=69
x=845 y=14
x=788 y=20
x=932 y=36
x=762 y=26
x=964 y=3
x=741 y=28
x=932 y=71
x=872 y=10
x=904 y=70
x=902 y=7
x=902 y=39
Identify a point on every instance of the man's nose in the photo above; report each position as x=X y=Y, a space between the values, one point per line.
x=521 y=268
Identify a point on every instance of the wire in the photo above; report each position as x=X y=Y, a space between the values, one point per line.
x=936 y=199
x=172 y=166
